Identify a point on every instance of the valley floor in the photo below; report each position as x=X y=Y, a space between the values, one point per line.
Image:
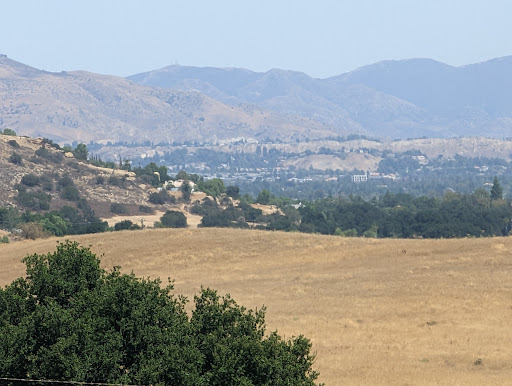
x=377 y=311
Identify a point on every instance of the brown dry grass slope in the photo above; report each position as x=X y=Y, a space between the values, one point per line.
x=377 y=311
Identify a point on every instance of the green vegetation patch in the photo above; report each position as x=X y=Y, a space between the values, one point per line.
x=70 y=320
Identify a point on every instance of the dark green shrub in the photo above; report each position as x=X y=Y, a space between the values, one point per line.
x=145 y=209
x=51 y=143
x=55 y=157
x=233 y=191
x=16 y=159
x=9 y=132
x=46 y=183
x=34 y=200
x=118 y=208
x=70 y=193
x=9 y=218
x=100 y=180
x=20 y=187
x=186 y=191
x=250 y=213
x=173 y=219
x=114 y=181
x=66 y=181
x=161 y=198
x=30 y=180
x=13 y=143
x=124 y=225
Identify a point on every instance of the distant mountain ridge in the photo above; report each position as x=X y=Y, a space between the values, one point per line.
x=83 y=106
x=392 y=99
x=397 y=99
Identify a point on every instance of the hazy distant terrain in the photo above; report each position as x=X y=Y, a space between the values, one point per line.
x=393 y=99
x=397 y=99
x=83 y=106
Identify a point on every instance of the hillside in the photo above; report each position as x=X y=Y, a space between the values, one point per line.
x=82 y=106
x=377 y=311
x=396 y=99
x=52 y=170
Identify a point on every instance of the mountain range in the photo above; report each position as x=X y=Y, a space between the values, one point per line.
x=391 y=99
x=396 y=99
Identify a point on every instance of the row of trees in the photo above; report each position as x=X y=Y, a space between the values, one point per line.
x=481 y=213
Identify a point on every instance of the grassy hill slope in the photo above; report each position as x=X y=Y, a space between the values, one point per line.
x=377 y=311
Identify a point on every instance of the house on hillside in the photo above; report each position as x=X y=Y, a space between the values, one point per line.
x=360 y=177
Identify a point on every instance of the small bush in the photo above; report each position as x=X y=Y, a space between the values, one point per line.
x=118 y=208
x=4 y=240
x=34 y=200
x=114 y=181
x=20 y=187
x=37 y=160
x=123 y=225
x=70 y=193
x=9 y=218
x=13 y=143
x=347 y=233
x=173 y=219
x=100 y=180
x=46 y=183
x=55 y=157
x=161 y=198
x=51 y=143
x=145 y=209
x=66 y=181
x=16 y=159
x=30 y=180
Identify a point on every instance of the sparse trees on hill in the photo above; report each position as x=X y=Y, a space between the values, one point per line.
x=8 y=132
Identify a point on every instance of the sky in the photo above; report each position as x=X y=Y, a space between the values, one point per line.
x=321 y=38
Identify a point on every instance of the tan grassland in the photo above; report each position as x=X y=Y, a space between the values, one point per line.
x=397 y=312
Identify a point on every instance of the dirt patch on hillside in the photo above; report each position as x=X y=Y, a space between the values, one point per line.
x=377 y=311
x=323 y=162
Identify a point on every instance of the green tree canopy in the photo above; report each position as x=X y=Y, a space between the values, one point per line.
x=186 y=191
x=496 y=190
x=214 y=187
x=263 y=197
x=70 y=320
x=81 y=152
x=173 y=219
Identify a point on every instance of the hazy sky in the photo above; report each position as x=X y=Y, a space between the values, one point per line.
x=320 y=37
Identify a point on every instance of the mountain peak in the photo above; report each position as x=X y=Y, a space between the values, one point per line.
x=9 y=67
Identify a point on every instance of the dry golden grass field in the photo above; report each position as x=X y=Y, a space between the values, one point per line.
x=377 y=311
